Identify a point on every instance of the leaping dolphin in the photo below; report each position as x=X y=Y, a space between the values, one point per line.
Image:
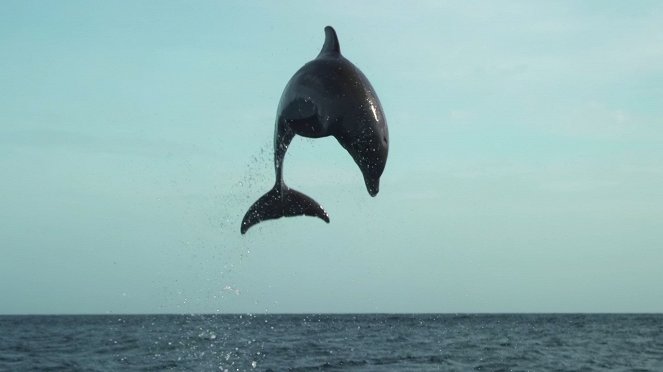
x=328 y=96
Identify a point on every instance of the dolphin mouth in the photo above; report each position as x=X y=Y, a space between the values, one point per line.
x=372 y=185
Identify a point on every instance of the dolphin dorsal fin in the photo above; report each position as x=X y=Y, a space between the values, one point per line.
x=331 y=45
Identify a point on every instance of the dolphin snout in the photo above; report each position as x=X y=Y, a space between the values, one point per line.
x=372 y=185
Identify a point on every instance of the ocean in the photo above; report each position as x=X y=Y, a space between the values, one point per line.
x=309 y=342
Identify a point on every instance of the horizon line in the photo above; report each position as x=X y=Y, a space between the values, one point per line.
x=334 y=313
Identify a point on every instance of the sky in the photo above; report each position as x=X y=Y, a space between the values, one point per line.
x=525 y=171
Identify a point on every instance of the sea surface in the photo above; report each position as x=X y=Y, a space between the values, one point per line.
x=308 y=342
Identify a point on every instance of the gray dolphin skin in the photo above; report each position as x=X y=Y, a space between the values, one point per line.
x=328 y=96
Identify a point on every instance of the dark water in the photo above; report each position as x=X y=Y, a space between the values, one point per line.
x=332 y=342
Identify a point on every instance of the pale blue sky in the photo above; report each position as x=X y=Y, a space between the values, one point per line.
x=525 y=170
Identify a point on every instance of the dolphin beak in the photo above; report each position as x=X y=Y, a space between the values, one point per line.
x=372 y=185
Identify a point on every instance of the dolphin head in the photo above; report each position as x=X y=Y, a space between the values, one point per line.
x=369 y=148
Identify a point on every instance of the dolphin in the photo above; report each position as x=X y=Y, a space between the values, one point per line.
x=328 y=96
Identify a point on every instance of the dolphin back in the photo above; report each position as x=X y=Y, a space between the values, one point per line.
x=282 y=201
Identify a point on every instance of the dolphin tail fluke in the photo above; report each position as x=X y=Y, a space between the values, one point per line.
x=282 y=202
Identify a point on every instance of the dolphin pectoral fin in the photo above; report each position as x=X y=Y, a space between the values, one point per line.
x=286 y=203
x=301 y=115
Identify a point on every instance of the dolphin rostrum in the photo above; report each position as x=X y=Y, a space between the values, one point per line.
x=328 y=96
